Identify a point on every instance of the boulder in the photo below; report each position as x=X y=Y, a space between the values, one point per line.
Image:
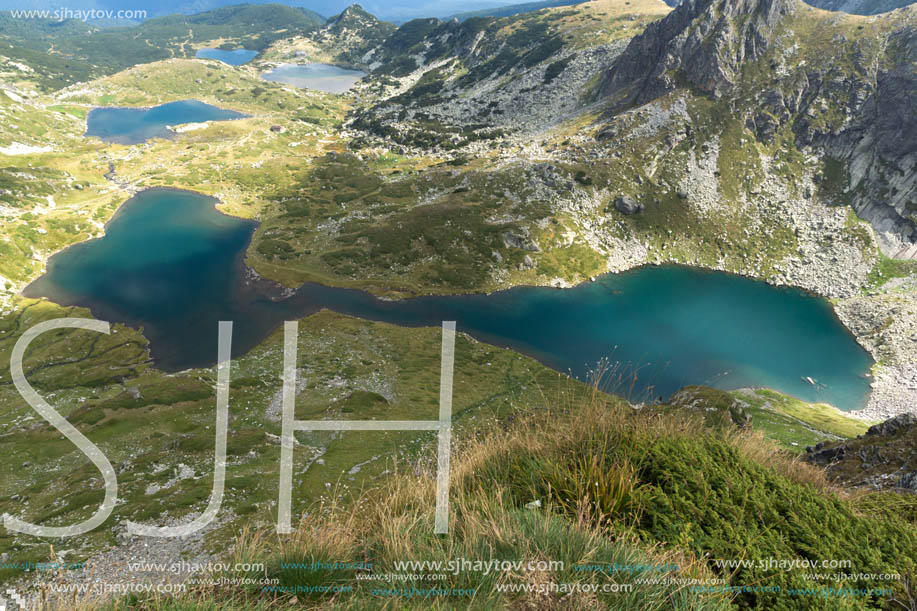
x=891 y=426
x=626 y=204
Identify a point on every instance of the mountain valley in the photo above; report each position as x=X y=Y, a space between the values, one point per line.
x=768 y=139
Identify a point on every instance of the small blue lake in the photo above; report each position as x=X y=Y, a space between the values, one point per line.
x=236 y=57
x=171 y=263
x=136 y=125
x=321 y=77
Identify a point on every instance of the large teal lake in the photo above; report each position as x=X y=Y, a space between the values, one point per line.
x=136 y=125
x=171 y=263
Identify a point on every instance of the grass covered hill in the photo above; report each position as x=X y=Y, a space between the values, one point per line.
x=157 y=428
x=588 y=481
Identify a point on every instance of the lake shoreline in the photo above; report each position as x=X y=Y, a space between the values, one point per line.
x=163 y=129
x=885 y=399
x=224 y=287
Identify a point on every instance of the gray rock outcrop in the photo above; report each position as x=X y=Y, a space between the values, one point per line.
x=702 y=42
x=626 y=204
x=854 y=108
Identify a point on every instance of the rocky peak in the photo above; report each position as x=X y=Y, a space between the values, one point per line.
x=351 y=35
x=354 y=15
x=702 y=43
x=354 y=10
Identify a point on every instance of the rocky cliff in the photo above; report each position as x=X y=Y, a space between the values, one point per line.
x=703 y=44
x=885 y=457
x=844 y=89
x=449 y=84
x=865 y=119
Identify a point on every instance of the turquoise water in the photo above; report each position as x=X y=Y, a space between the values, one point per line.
x=171 y=263
x=136 y=125
x=236 y=57
x=321 y=77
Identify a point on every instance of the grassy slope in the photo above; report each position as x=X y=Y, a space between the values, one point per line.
x=149 y=423
x=357 y=223
x=792 y=423
x=241 y=162
x=153 y=425
x=49 y=199
x=615 y=486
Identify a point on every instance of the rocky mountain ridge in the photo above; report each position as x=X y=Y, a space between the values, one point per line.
x=853 y=106
x=449 y=84
x=355 y=33
x=847 y=100
x=853 y=7
x=703 y=44
x=884 y=458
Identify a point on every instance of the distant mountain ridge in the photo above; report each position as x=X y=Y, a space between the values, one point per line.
x=82 y=51
x=861 y=7
x=515 y=9
x=403 y=10
x=854 y=7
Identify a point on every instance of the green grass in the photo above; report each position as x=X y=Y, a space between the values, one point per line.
x=612 y=485
x=819 y=416
x=149 y=424
x=351 y=222
x=76 y=111
x=790 y=422
x=887 y=268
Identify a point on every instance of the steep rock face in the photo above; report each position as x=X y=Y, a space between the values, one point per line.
x=451 y=84
x=885 y=457
x=703 y=43
x=846 y=90
x=865 y=120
